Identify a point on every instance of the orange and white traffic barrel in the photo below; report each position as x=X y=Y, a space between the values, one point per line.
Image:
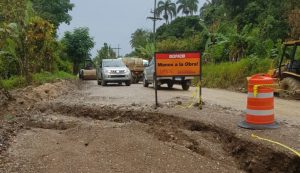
x=260 y=103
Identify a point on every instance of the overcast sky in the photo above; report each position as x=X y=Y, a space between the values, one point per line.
x=111 y=21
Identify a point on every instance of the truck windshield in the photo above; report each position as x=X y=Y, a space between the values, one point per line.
x=113 y=63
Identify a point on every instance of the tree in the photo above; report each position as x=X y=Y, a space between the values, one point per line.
x=212 y=12
x=40 y=45
x=19 y=14
x=187 y=6
x=147 y=51
x=167 y=8
x=140 y=38
x=78 y=45
x=181 y=27
x=235 y=7
x=183 y=7
x=294 y=18
x=193 y=6
x=106 y=52
x=27 y=41
x=55 y=11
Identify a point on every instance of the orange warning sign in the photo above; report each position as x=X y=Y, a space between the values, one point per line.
x=178 y=64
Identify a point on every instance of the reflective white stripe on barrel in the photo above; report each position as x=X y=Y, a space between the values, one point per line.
x=261 y=95
x=260 y=112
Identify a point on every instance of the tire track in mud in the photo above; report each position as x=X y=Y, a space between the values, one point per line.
x=249 y=156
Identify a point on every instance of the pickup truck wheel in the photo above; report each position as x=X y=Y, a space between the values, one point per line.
x=103 y=83
x=170 y=85
x=145 y=82
x=128 y=83
x=185 y=86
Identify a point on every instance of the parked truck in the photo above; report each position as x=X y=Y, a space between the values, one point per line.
x=136 y=67
x=149 y=78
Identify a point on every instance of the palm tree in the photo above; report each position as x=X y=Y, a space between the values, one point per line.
x=183 y=6
x=167 y=8
x=193 y=6
x=187 y=6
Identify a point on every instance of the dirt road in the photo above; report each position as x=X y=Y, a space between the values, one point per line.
x=285 y=110
x=117 y=129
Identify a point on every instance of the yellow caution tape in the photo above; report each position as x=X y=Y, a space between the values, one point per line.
x=255 y=88
x=273 y=86
x=194 y=96
x=277 y=143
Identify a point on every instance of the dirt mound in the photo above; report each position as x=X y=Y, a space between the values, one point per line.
x=23 y=100
x=44 y=92
x=15 y=106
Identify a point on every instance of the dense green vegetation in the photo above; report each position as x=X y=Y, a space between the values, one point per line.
x=29 y=47
x=78 y=45
x=142 y=43
x=233 y=75
x=37 y=78
x=237 y=38
x=55 y=11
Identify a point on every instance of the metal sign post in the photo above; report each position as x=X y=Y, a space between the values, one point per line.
x=178 y=64
x=200 y=85
x=155 y=82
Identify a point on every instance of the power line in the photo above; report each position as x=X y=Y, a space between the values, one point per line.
x=154 y=19
x=118 y=50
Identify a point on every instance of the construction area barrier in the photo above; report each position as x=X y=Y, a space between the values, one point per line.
x=260 y=103
x=194 y=100
x=277 y=143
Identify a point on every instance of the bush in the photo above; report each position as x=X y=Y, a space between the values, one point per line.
x=41 y=78
x=38 y=79
x=13 y=82
x=227 y=75
x=197 y=42
x=64 y=65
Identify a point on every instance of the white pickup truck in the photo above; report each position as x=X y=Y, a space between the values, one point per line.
x=184 y=81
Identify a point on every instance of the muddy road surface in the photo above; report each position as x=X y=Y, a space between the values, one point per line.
x=83 y=127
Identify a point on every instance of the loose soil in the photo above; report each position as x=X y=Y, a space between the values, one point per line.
x=66 y=134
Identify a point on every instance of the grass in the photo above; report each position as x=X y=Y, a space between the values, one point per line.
x=37 y=79
x=13 y=83
x=233 y=75
x=41 y=78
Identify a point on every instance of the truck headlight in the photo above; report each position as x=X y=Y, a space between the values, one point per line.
x=127 y=71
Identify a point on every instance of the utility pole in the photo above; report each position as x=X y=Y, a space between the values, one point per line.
x=118 y=50
x=154 y=19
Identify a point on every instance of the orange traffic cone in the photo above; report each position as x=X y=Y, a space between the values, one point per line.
x=260 y=104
